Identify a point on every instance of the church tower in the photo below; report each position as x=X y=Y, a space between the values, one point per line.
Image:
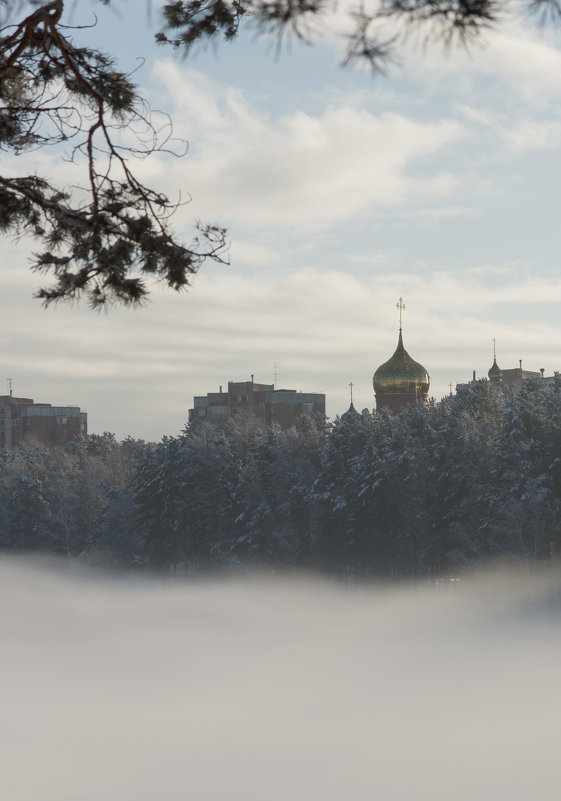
x=401 y=380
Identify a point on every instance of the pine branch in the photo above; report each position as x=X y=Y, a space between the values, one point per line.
x=105 y=237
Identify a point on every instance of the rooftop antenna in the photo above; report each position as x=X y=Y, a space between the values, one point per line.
x=275 y=373
x=9 y=382
x=400 y=306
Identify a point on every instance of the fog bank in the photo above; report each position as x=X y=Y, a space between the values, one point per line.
x=273 y=690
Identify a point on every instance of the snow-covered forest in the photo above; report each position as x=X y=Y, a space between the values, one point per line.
x=433 y=490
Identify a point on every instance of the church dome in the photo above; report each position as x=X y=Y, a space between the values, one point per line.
x=495 y=373
x=401 y=375
x=351 y=415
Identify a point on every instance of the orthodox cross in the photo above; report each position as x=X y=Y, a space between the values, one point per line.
x=494 y=349
x=351 y=386
x=400 y=306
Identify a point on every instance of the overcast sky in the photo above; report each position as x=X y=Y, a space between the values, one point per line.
x=342 y=192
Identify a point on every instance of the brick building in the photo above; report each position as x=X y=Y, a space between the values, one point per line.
x=259 y=401
x=22 y=418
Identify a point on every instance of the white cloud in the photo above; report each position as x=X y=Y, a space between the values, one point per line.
x=517 y=135
x=301 y=170
x=530 y=64
x=246 y=251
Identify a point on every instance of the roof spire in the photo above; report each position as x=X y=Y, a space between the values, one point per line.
x=400 y=306
x=495 y=373
x=351 y=386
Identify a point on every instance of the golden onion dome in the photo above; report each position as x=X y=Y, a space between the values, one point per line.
x=401 y=374
x=495 y=373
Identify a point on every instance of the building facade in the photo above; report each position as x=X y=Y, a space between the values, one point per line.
x=22 y=418
x=515 y=376
x=248 y=399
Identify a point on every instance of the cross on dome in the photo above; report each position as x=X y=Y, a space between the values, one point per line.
x=400 y=305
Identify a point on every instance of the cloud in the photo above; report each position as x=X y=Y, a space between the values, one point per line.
x=524 y=58
x=520 y=135
x=300 y=170
x=247 y=251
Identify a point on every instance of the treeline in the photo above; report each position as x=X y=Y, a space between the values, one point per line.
x=431 y=491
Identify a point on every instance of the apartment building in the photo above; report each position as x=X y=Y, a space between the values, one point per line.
x=22 y=418
x=258 y=401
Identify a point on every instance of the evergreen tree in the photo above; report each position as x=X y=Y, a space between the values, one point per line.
x=336 y=536
x=28 y=520
x=526 y=508
x=430 y=491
